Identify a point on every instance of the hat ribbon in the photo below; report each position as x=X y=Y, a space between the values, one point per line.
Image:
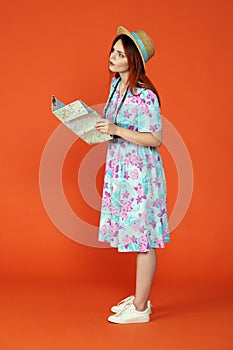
x=144 y=52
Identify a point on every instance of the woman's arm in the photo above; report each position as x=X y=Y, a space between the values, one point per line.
x=152 y=139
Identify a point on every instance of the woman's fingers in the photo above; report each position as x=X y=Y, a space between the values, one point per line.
x=102 y=122
x=105 y=126
x=100 y=125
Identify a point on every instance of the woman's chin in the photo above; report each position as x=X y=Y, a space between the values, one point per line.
x=112 y=68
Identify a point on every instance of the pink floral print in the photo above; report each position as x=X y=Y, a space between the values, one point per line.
x=133 y=213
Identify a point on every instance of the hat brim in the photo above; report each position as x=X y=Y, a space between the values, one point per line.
x=123 y=30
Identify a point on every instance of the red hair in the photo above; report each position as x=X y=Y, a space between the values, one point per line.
x=137 y=76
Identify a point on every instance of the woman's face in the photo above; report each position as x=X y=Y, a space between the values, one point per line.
x=118 y=62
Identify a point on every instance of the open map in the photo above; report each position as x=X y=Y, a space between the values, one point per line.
x=81 y=119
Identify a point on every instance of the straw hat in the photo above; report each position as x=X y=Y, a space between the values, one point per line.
x=143 y=42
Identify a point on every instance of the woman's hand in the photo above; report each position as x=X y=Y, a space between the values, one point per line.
x=107 y=127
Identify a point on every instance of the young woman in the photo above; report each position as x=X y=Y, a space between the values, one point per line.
x=133 y=214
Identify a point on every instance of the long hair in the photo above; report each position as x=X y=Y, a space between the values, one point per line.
x=137 y=76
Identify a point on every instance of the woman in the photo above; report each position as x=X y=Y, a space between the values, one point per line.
x=133 y=215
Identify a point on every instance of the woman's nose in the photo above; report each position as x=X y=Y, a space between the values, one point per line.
x=113 y=55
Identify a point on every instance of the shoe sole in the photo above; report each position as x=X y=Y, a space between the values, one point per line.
x=128 y=321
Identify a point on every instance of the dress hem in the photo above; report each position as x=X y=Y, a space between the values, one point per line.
x=125 y=250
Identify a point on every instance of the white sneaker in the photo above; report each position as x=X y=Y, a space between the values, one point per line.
x=130 y=315
x=127 y=301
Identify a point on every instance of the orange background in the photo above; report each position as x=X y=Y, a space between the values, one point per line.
x=61 y=47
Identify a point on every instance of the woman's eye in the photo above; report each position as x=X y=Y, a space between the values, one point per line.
x=121 y=55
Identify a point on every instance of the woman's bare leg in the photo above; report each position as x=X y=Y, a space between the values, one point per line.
x=146 y=265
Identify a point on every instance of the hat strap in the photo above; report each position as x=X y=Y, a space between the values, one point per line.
x=144 y=52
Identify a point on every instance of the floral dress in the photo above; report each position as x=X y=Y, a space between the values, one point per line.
x=133 y=214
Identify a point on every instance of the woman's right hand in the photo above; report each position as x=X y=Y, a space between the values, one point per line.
x=107 y=127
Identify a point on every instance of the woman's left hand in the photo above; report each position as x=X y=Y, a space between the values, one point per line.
x=107 y=127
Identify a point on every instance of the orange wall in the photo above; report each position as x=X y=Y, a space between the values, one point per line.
x=61 y=47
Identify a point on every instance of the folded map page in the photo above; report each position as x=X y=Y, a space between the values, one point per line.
x=81 y=119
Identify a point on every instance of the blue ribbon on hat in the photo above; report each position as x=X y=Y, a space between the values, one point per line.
x=139 y=41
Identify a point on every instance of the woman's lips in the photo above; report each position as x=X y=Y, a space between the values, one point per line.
x=112 y=64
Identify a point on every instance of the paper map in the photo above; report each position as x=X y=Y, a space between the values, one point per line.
x=81 y=119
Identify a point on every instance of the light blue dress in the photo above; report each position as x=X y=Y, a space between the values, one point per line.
x=133 y=213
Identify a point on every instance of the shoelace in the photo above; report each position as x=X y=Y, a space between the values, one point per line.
x=128 y=305
x=126 y=310
x=126 y=300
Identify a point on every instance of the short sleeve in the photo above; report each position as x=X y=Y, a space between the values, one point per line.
x=149 y=117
